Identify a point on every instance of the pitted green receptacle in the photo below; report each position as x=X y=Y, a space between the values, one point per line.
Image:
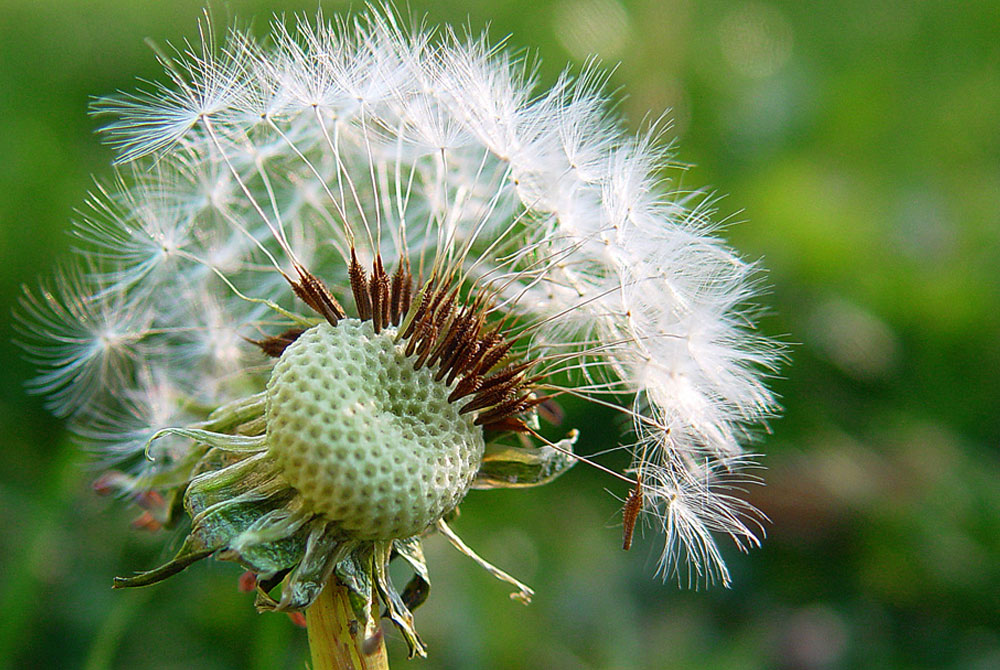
x=367 y=440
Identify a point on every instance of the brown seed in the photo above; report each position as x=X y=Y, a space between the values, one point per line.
x=633 y=504
x=468 y=384
x=359 y=287
x=510 y=423
x=275 y=346
x=378 y=289
x=314 y=293
x=510 y=407
x=401 y=281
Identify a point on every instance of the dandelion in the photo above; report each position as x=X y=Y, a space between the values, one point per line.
x=343 y=276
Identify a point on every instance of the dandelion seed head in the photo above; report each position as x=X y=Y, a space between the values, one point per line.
x=420 y=181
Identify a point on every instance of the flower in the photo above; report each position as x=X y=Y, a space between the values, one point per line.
x=343 y=276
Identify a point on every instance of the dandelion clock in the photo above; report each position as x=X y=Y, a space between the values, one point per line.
x=343 y=275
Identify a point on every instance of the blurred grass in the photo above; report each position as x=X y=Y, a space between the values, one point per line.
x=860 y=146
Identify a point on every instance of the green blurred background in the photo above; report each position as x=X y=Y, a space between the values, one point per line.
x=859 y=143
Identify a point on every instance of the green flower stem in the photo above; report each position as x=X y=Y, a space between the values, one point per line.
x=337 y=639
